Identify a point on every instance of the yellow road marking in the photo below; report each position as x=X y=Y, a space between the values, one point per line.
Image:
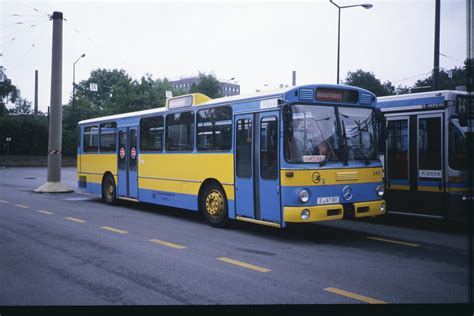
x=243 y=264
x=22 y=206
x=3 y=201
x=354 y=296
x=45 y=212
x=115 y=230
x=394 y=241
x=73 y=219
x=168 y=244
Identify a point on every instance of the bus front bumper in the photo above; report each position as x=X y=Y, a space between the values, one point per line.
x=333 y=211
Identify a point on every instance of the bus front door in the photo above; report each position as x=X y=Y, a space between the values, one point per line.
x=127 y=185
x=257 y=178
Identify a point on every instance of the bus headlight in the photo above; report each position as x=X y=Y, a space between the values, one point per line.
x=382 y=208
x=304 y=195
x=305 y=214
x=380 y=190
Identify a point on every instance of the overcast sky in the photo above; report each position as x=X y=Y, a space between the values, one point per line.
x=259 y=43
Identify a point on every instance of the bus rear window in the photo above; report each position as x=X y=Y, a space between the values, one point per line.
x=91 y=138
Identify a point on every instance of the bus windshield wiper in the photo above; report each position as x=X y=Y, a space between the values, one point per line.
x=326 y=157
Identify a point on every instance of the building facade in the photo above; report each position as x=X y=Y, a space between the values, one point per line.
x=227 y=88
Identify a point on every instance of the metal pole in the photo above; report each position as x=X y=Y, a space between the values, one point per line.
x=55 y=122
x=338 y=41
x=36 y=92
x=73 y=85
x=294 y=78
x=436 y=47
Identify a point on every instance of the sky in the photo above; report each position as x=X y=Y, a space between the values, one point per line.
x=259 y=43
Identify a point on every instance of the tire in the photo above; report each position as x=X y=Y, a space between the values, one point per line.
x=213 y=205
x=109 y=195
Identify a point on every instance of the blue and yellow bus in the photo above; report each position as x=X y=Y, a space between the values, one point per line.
x=427 y=154
x=293 y=155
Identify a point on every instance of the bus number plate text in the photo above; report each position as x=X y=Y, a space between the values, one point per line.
x=328 y=200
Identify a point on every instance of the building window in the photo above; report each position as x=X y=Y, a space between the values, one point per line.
x=107 y=137
x=214 y=129
x=180 y=131
x=151 y=131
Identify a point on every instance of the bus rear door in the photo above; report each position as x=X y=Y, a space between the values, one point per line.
x=127 y=163
x=257 y=179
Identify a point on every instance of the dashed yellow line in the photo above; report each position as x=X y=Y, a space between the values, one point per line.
x=45 y=212
x=394 y=241
x=168 y=244
x=354 y=296
x=22 y=206
x=3 y=201
x=244 y=264
x=73 y=219
x=115 y=230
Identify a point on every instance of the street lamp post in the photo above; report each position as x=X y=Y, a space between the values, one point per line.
x=74 y=80
x=365 y=6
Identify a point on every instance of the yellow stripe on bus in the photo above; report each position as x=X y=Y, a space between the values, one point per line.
x=291 y=177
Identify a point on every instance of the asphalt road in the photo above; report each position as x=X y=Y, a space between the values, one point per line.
x=71 y=249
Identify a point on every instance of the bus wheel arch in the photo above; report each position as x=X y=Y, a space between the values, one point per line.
x=109 y=188
x=213 y=203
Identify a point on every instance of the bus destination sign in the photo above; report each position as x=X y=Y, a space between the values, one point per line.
x=336 y=95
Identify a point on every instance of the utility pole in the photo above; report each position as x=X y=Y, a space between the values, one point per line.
x=54 y=185
x=36 y=92
x=293 y=82
x=436 y=47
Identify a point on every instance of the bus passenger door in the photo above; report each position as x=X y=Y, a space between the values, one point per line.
x=257 y=180
x=267 y=168
x=429 y=173
x=127 y=185
x=244 y=157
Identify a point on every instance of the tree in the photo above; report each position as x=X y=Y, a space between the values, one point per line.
x=22 y=107
x=368 y=81
x=208 y=85
x=8 y=93
x=447 y=79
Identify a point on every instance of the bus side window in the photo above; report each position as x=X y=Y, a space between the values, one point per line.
x=268 y=148
x=107 y=137
x=91 y=138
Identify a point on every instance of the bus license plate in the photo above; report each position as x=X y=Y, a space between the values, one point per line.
x=328 y=200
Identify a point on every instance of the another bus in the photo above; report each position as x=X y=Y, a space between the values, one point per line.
x=293 y=155
x=426 y=153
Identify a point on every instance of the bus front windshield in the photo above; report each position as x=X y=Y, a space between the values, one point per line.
x=313 y=134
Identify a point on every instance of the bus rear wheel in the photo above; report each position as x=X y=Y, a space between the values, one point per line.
x=214 y=205
x=108 y=190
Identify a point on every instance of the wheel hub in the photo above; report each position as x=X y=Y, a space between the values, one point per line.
x=214 y=203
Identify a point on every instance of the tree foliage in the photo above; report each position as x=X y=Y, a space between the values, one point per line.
x=368 y=81
x=208 y=85
x=447 y=79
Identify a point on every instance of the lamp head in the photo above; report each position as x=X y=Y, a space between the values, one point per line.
x=367 y=5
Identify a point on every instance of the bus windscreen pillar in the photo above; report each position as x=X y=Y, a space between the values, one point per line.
x=53 y=183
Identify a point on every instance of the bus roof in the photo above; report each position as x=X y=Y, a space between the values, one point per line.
x=417 y=100
x=224 y=100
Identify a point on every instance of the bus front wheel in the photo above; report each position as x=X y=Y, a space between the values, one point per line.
x=108 y=190
x=214 y=205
